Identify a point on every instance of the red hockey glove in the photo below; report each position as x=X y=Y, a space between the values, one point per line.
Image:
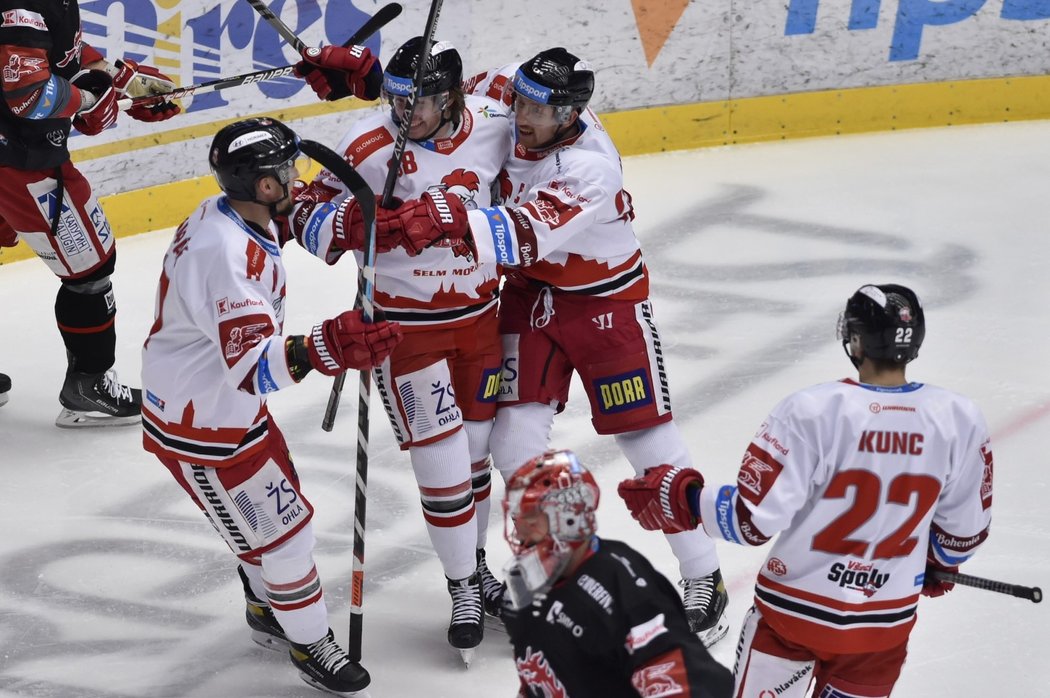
x=103 y=113
x=933 y=587
x=134 y=80
x=434 y=218
x=334 y=72
x=348 y=342
x=659 y=499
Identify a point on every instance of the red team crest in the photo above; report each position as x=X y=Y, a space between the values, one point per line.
x=758 y=472
x=535 y=673
x=657 y=681
x=986 y=480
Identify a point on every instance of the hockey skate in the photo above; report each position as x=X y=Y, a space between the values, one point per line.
x=324 y=665
x=467 y=629
x=492 y=589
x=266 y=631
x=5 y=388
x=97 y=400
x=705 y=601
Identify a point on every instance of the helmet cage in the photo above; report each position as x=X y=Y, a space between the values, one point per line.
x=888 y=320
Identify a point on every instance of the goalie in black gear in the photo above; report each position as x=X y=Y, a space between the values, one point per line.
x=588 y=616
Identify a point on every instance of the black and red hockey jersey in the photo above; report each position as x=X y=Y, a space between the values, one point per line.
x=41 y=49
x=615 y=627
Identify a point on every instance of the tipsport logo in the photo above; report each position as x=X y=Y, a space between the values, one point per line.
x=197 y=41
x=912 y=19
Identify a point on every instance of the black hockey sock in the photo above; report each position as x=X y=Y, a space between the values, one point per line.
x=86 y=321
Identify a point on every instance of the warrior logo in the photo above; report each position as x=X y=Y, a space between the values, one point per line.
x=536 y=674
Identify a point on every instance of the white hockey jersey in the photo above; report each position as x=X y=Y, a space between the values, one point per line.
x=860 y=482
x=215 y=349
x=439 y=288
x=565 y=218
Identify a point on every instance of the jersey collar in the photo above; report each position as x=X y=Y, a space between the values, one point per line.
x=223 y=204
x=906 y=388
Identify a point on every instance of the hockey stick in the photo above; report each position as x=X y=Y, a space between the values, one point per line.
x=391 y=176
x=274 y=21
x=366 y=200
x=1033 y=594
x=373 y=24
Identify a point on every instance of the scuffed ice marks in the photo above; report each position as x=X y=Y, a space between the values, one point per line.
x=751 y=293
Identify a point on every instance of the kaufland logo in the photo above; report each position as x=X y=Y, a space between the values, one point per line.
x=225 y=305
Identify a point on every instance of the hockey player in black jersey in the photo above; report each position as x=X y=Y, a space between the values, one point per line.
x=588 y=616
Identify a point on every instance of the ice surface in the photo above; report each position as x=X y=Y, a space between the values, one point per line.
x=112 y=584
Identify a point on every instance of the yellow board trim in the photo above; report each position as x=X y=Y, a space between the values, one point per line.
x=651 y=130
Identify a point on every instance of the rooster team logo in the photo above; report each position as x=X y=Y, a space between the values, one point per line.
x=464 y=184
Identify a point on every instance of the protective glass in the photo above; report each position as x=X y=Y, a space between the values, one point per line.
x=292 y=168
x=427 y=107
x=527 y=101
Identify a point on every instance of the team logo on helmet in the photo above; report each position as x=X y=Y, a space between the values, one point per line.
x=904 y=314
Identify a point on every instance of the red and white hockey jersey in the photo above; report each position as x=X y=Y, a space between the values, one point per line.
x=565 y=218
x=860 y=482
x=440 y=288
x=215 y=349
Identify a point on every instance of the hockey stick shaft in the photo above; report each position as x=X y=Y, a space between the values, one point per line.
x=400 y=143
x=274 y=21
x=1033 y=594
x=373 y=24
x=366 y=200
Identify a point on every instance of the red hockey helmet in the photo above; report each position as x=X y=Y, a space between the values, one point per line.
x=548 y=513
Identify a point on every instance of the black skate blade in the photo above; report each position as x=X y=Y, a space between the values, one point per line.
x=73 y=419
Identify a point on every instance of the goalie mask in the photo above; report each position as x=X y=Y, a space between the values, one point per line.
x=548 y=514
x=244 y=152
x=888 y=321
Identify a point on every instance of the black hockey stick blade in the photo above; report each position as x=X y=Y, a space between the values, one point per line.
x=334 y=163
x=380 y=19
x=1033 y=594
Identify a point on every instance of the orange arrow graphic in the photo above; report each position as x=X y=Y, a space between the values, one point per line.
x=656 y=20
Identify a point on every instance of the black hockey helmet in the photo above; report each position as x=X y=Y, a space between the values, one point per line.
x=556 y=77
x=245 y=151
x=442 y=71
x=889 y=321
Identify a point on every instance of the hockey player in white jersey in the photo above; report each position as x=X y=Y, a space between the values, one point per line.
x=217 y=349
x=440 y=385
x=872 y=485
x=576 y=298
